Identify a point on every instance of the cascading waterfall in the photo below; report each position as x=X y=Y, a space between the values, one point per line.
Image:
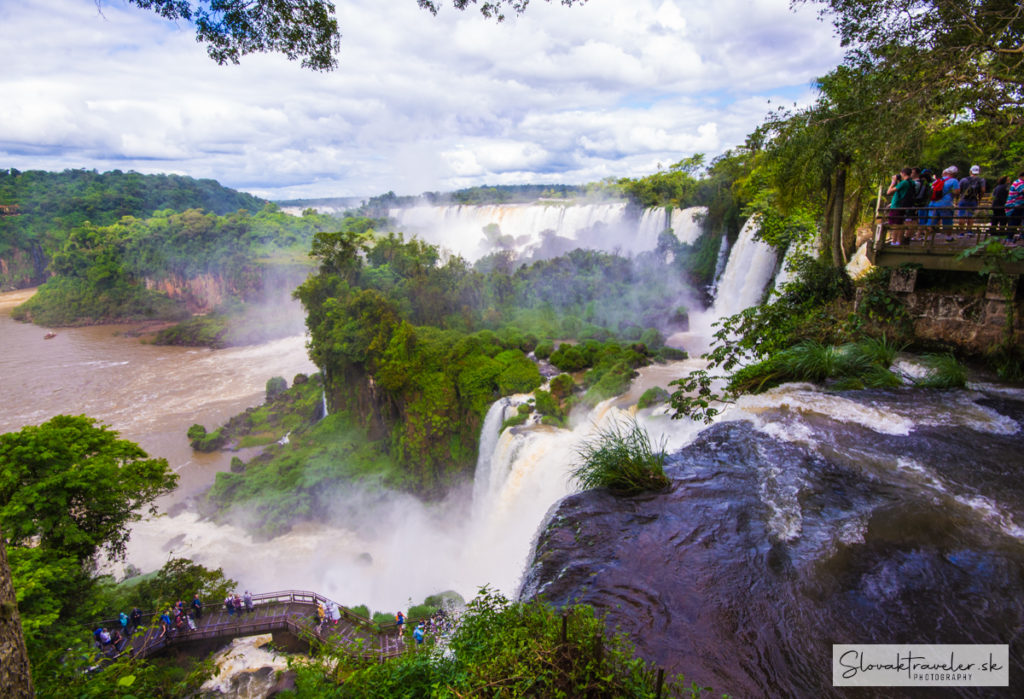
x=528 y=228
x=720 y=261
x=747 y=273
x=489 y=433
x=687 y=223
x=323 y=404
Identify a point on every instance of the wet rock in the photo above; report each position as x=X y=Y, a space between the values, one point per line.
x=771 y=547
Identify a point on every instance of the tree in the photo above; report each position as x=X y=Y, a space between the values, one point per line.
x=969 y=52
x=14 y=669
x=71 y=485
x=299 y=29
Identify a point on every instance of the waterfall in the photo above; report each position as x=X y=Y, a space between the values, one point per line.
x=489 y=434
x=723 y=257
x=747 y=273
x=323 y=404
x=543 y=229
x=652 y=222
x=687 y=223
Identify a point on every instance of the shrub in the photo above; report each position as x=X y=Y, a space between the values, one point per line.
x=622 y=459
x=275 y=387
x=503 y=648
x=544 y=349
x=569 y=358
x=519 y=374
x=562 y=385
x=546 y=403
x=652 y=396
x=237 y=465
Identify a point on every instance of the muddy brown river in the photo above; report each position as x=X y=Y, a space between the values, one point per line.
x=149 y=394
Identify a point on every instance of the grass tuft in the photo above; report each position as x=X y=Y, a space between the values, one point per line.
x=622 y=459
x=944 y=372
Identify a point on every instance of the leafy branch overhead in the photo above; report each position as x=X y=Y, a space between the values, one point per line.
x=299 y=29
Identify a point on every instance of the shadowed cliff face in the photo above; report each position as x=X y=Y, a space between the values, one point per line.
x=793 y=531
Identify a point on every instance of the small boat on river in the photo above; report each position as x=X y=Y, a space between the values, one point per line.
x=50 y=335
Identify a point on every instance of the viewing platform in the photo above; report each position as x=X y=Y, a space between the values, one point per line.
x=939 y=246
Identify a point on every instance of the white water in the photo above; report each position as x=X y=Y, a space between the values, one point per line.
x=533 y=229
x=747 y=273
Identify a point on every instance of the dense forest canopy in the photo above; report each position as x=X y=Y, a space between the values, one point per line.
x=421 y=345
x=101 y=271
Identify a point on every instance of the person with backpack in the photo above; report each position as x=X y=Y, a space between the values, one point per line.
x=924 y=195
x=999 y=194
x=972 y=189
x=944 y=194
x=135 y=617
x=197 y=607
x=903 y=193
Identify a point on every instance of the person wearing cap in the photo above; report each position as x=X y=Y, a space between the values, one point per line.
x=972 y=189
x=942 y=208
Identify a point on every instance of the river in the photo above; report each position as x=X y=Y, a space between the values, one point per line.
x=150 y=394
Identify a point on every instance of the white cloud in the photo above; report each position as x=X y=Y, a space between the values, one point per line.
x=419 y=102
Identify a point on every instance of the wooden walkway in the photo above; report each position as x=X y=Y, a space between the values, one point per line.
x=937 y=246
x=291 y=610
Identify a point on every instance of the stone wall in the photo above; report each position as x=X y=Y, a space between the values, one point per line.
x=974 y=323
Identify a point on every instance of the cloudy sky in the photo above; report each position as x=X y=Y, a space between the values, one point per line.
x=418 y=103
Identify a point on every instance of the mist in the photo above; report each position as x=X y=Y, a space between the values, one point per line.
x=388 y=549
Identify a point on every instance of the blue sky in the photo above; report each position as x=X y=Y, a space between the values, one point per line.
x=569 y=95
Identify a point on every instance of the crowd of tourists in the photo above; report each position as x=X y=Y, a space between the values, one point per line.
x=180 y=618
x=918 y=197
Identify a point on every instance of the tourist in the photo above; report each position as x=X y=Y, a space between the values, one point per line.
x=972 y=189
x=125 y=623
x=248 y=601
x=924 y=195
x=999 y=194
x=944 y=193
x=1015 y=205
x=903 y=193
x=229 y=604
x=197 y=607
x=321 y=616
x=418 y=634
x=165 y=624
x=135 y=618
x=102 y=636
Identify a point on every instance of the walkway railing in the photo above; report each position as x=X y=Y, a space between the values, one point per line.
x=933 y=237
